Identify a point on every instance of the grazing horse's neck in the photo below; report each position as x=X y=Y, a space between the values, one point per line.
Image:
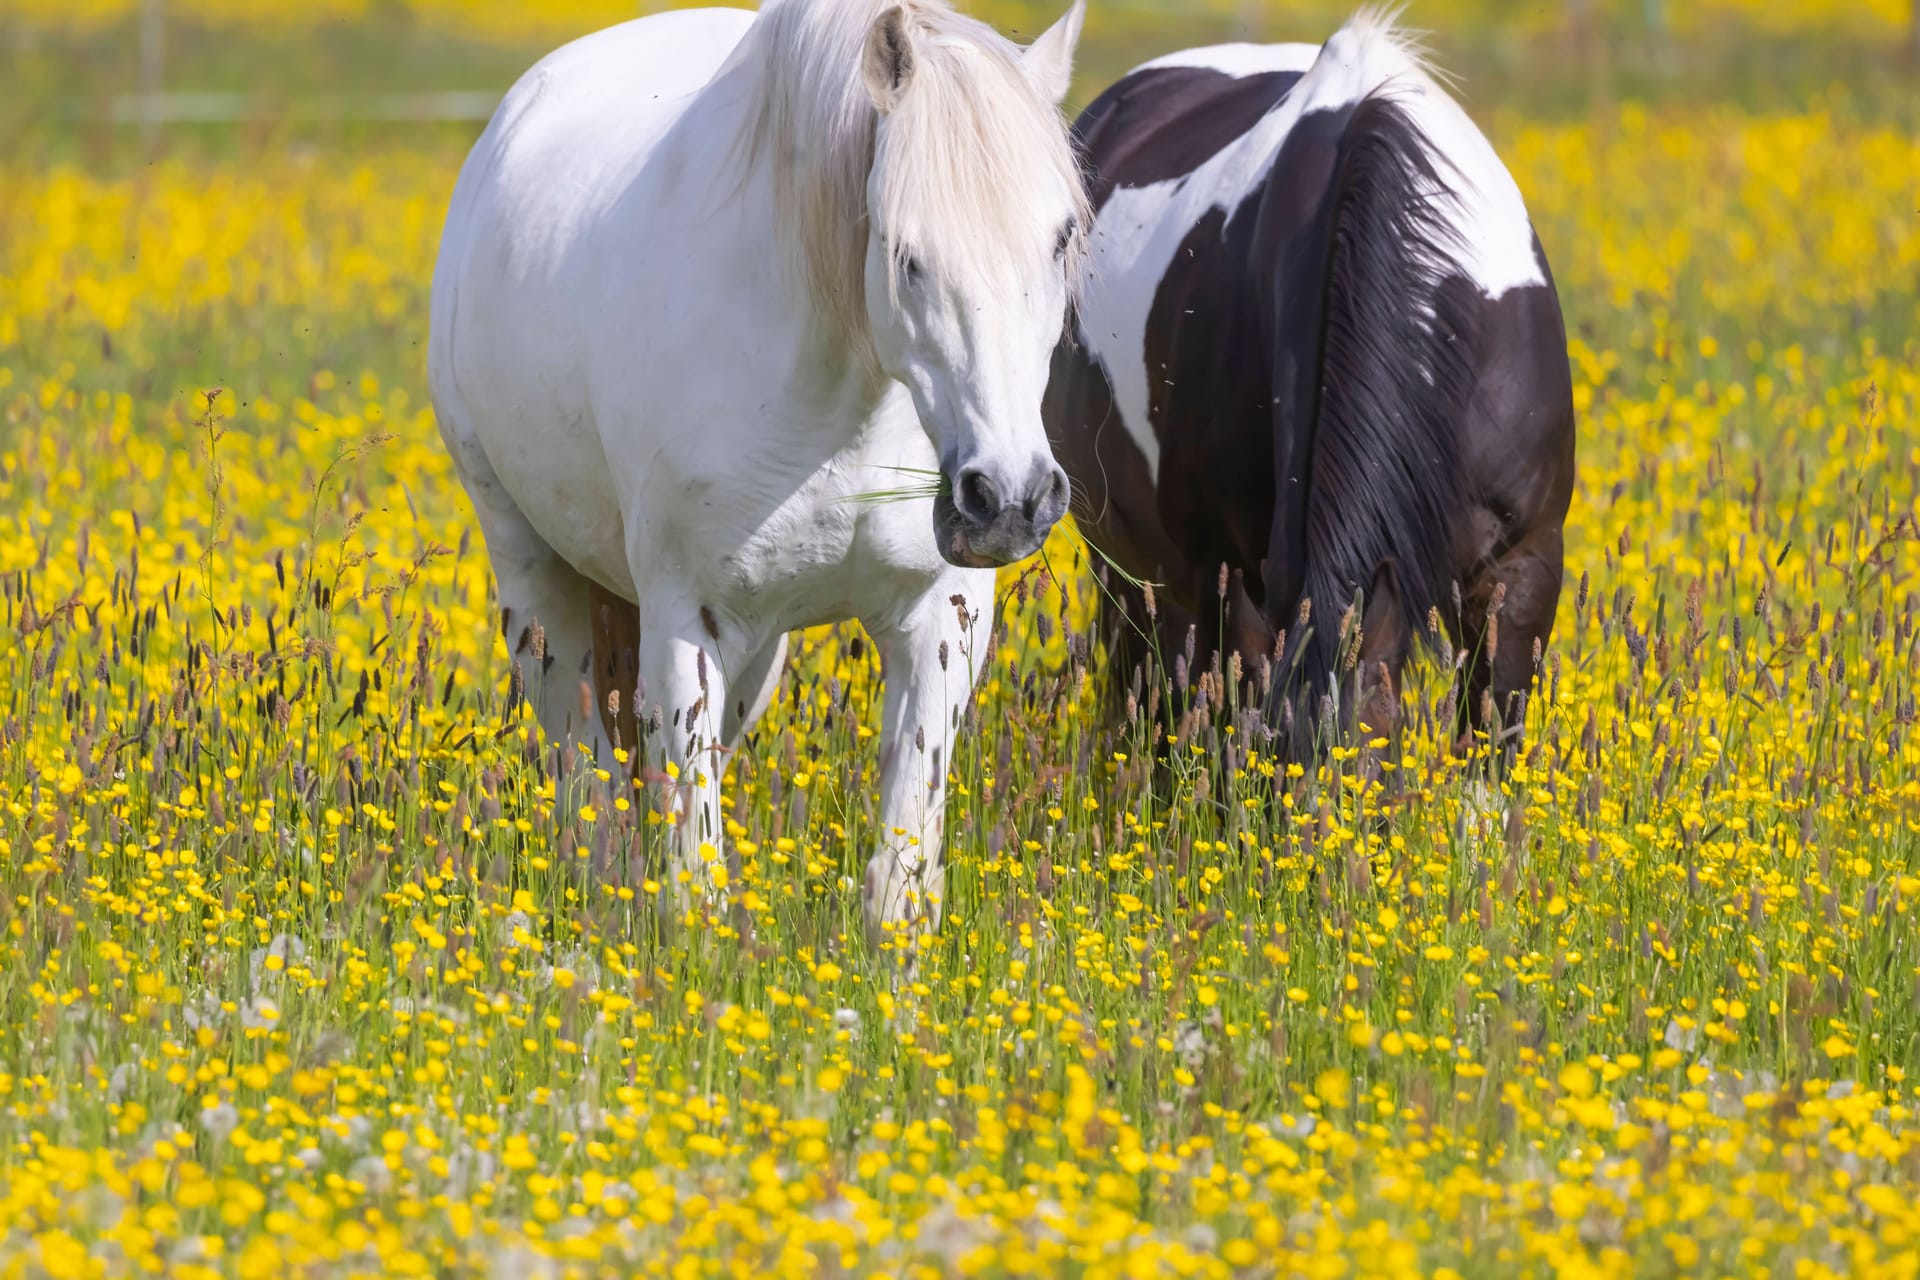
x=836 y=353
x=835 y=364
x=836 y=372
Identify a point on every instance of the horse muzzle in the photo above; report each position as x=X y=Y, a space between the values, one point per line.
x=983 y=522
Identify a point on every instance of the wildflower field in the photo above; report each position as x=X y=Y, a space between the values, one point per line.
x=315 y=960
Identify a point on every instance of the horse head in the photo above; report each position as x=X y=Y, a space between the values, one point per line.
x=975 y=213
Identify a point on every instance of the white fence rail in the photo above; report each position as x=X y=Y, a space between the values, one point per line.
x=159 y=107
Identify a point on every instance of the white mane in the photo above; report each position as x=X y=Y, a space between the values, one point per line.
x=969 y=146
x=1381 y=20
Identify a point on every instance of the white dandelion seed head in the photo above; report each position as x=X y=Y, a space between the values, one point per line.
x=260 y=1014
x=219 y=1120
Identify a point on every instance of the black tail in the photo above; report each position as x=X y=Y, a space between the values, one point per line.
x=1378 y=387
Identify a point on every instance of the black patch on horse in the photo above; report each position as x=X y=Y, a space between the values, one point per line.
x=1164 y=122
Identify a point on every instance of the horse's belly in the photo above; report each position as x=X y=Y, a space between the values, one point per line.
x=516 y=409
x=557 y=474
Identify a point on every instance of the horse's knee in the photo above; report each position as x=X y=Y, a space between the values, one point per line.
x=751 y=690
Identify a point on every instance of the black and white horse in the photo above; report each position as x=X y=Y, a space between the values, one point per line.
x=1319 y=359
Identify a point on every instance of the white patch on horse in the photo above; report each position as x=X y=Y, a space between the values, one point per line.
x=1140 y=229
x=1239 y=59
x=1489 y=216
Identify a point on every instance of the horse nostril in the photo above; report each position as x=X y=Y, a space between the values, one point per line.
x=979 y=499
x=1048 y=496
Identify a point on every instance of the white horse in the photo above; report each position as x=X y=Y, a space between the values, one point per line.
x=708 y=278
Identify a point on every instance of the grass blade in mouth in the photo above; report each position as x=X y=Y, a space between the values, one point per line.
x=930 y=484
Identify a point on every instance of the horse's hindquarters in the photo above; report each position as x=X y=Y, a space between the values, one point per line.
x=1518 y=434
x=1518 y=446
x=1261 y=424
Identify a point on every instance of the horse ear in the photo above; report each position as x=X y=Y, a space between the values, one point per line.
x=887 y=63
x=1049 y=60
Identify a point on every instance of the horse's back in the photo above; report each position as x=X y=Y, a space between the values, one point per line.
x=553 y=158
x=1167 y=118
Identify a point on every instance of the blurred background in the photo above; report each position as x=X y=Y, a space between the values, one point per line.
x=93 y=75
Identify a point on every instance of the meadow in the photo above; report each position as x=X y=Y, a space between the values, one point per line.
x=316 y=960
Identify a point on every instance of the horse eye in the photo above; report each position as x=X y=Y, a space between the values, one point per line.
x=1065 y=239
x=911 y=266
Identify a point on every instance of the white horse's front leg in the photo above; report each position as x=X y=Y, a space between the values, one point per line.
x=681 y=704
x=930 y=661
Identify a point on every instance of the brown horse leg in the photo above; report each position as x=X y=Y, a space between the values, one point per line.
x=1503 y=654
x=1250 y=636
x=616 y=668
x=1139 y=640
x=1386 y=639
